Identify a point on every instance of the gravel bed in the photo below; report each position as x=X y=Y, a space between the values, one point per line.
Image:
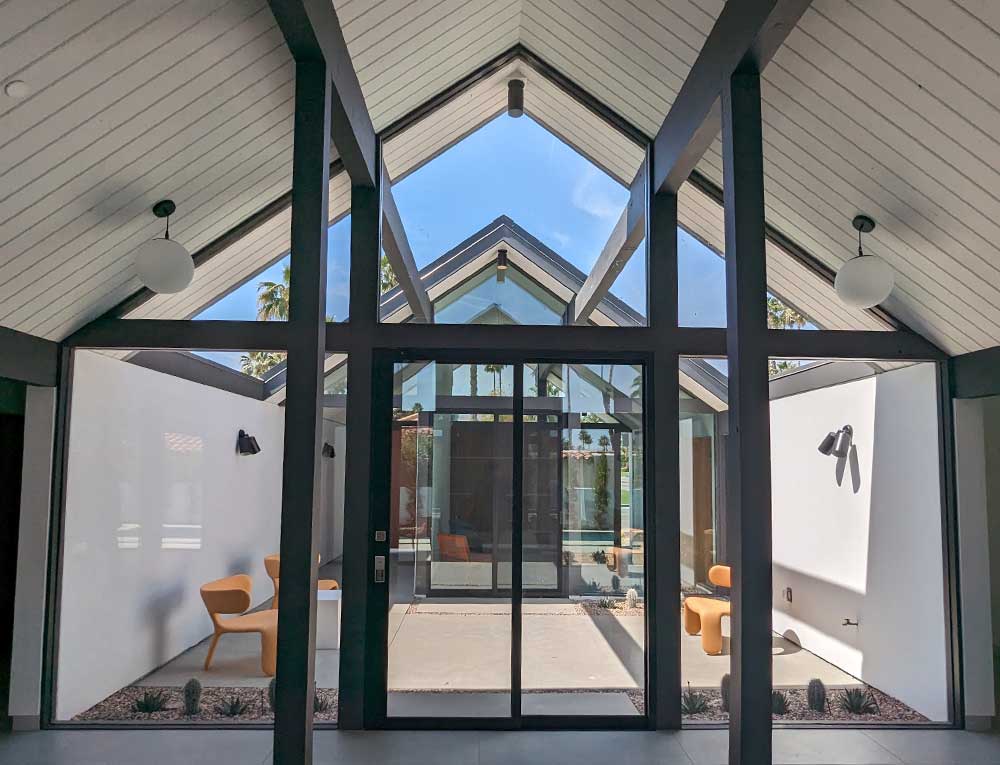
x=581 y=608
x=119 y=706
x=891 y=710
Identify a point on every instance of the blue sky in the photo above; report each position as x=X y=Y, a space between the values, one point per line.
x=517 y=168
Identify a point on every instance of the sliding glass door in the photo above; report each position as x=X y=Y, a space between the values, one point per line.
x=499 y=468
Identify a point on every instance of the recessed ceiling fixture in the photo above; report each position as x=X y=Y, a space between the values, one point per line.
x=867 y=280
x=515 y=98
x=163 y=265
x=17 y=89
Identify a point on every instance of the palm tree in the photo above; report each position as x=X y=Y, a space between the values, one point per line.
x=272 y=297
x=387 y=277
x=781 y=316
x=496 y=370
x=258 y=363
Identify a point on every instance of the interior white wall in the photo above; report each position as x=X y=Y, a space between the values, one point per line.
x=32 y=558
x=974 y=559
x=158 y=502
x=860 y=539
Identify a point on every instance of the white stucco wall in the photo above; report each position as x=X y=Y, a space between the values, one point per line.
x=158 y=502
x=861 y=540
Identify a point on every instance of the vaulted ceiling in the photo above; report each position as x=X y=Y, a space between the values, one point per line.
x=887 y=108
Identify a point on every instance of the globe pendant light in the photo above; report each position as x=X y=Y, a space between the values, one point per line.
x=867 y=280
x=163 y=265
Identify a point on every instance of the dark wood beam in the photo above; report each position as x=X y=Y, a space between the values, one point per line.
x=748 y=485
x=301 y=472
x=862 y=345
x=750 y=30
x=312 y=31
x=183 y=334
x=361 y=689
x=976 y=374
x=28 y=358
x=400 y=256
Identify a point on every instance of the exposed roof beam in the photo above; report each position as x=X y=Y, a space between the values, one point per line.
x=28 y=358
x=400 y=256
x=312 y=31
x=750 y=29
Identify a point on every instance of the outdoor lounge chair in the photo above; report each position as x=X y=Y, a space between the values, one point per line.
x=232 y=595
x=272 y=564
x=704 y=615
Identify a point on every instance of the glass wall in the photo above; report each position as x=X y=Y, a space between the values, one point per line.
x=583 y=541
x=172 y=508
x=705 y=607
x=858 y=574
x=450 y=540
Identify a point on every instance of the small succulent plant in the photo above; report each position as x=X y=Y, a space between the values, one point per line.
x=192 y=697
x=693 y=702
x=599 y=556
x=858 y=701
x=816 y=695
x=724 y=692
x=608 y=603
x=632 y=598
x=321 y=704
x=234 y=706
x=151 y=701
x=779 y=703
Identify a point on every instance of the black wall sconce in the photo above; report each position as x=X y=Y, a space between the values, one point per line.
x=246 y=444
x=838 y=444
x=328 y=451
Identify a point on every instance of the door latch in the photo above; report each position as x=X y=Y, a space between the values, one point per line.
x=379 y=569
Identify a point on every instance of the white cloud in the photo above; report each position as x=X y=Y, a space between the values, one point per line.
x=558 y=238
x=588 y=196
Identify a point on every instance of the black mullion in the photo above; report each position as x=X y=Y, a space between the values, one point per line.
x=516 y=538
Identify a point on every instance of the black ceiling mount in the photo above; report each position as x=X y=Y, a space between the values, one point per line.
x=864 y=224
x=163 y=208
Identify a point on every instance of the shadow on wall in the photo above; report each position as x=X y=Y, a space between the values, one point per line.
x=852 y=460
x=159 y=611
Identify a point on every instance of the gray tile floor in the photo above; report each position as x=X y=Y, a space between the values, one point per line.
x=826 y=747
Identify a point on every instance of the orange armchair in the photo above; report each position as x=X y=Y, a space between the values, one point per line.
x=705 y=614
x=272 y=564
x=233 y=595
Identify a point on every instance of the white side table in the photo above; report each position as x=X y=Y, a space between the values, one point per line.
x=327 y=620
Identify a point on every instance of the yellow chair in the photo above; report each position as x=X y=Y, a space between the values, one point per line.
x=272 y=564
x=705 y=614
x=232 y=595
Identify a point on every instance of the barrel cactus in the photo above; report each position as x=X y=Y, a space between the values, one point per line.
x=192 y=697
x=816 y=695
x=631 y=598
x=724 y=692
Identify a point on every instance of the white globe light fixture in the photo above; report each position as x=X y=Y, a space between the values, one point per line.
x=867 y=280
x=163 y=265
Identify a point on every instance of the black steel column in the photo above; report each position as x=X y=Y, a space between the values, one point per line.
x=360 y=661
x=749 y=479
x=293 y=721
x=663 y=565
x=516 y=542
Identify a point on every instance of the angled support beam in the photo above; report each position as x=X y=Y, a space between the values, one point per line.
x=750 y=30
x=27 y=358
x=397 y=250
x=301 y=472
x=313 y=33
x=748 y=485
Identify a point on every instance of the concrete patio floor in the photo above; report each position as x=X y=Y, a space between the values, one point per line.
x=444 y=645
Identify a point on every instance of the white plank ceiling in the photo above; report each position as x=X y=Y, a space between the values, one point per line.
x=884 y=107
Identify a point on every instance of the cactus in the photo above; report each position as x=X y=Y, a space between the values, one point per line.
x=779 y=703
x=192 y=697
x=693 y=702
x=724 y=692
x=632 y=598
x=616 y=583
x=816 y=695
x=270 y=692
x=151 y=701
